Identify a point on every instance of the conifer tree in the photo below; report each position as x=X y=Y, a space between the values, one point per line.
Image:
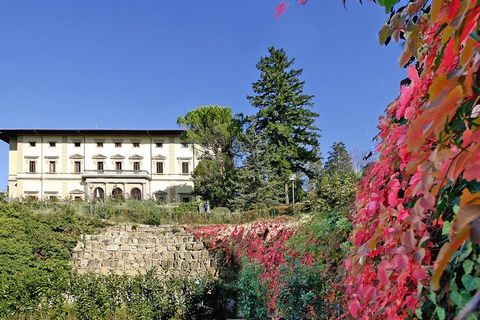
x=339 y=160
x=284 y=118
x=256 y=184
x=337 y=183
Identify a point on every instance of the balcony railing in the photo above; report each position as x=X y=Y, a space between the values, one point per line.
x=115 y=173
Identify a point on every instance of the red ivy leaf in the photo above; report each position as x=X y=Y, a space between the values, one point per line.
x=280 y=9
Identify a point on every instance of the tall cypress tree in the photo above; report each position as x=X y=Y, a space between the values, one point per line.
x=284 y=117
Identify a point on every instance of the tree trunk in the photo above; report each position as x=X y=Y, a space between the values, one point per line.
x=287 y=201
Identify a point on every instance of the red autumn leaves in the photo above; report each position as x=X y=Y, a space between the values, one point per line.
x=423 y=149
x=282 y=6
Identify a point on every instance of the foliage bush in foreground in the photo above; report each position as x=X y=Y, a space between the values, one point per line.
x=36 y=281
x=416 y=231
x=252 y=291
x=144 y=297
x=302 y=291
x=34 y=254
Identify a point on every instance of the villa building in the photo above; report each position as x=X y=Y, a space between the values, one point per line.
x=94 y=164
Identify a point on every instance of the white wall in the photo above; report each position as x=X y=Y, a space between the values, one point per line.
x=61 y=183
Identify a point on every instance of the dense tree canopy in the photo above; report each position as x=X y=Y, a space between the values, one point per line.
x=284 y=117
x=213 y=129
x=256 y=184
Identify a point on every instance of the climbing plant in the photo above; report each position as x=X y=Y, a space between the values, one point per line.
x=417 y=224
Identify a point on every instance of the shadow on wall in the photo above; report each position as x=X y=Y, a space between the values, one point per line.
x=173 y=194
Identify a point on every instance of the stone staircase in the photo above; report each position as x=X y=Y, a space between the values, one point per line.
x=135 y=249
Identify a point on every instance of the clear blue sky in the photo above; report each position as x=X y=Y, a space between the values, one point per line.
x=141 y=64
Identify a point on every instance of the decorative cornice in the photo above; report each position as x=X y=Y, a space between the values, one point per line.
x=135 y=157
x=159 y=157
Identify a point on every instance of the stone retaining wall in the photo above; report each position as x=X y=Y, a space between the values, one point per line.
x=135 y=249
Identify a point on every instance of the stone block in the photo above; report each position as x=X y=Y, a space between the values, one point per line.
x=112 y=247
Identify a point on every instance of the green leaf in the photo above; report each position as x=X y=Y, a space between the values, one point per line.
x=472 y=316
x=475 y=35
x=446 y=228
x=460 y=299
x=441 y=313
x=456 y=208
x=388 y=4
x=470 y=283
x=418 y=313
x=432 y=296
x=468 y=266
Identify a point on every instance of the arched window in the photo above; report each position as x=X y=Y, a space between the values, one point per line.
x=136 y=194
x=99 y=193
x=117 y=193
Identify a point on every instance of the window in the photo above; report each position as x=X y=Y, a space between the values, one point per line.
x=118 y=144
x=78 y=166
x=185 y=199
x=184 y=145
x=100 y=165
x=159 y=167
x=118 y=166
x=77 y=144
x=99 y=144
x=52 y=143
x=32 y=143
x=159 y=144
x=136 y=144
x=31 y=166
x=136 y=166
x=185 y=168
x=78 y=198
x=51 y=166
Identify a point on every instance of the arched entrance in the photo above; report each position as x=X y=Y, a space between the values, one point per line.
x=99 y=193
x=117 y=193
x=136 y=194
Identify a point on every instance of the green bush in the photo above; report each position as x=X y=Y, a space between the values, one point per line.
x=153 y=213
x=252 y=292
x=144 y=297
x=34 y=256
x=325 y=236
x=301 y=292
x=221 y=210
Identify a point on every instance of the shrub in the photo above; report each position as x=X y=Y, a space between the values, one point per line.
x=34 y=254
x=144 y=297
x=301 y=291
x=252 y=292
x=220 y=210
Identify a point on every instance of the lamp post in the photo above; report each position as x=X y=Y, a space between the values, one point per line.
x=90 y=198
x=292 y=178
